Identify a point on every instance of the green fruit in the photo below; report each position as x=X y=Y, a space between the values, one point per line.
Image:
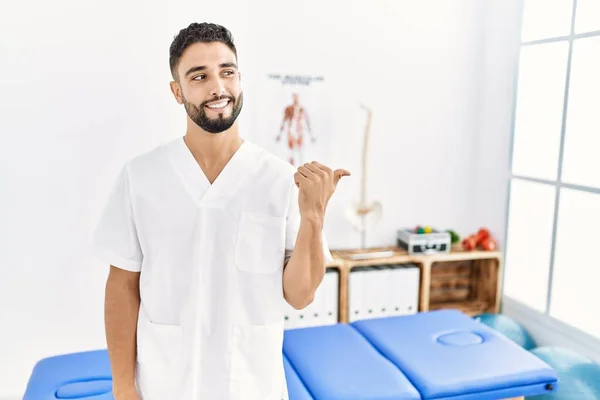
x=454 y=237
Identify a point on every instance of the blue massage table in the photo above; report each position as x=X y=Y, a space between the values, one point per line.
x=439 y=355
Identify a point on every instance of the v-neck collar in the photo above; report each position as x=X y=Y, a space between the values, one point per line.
x=197 y=184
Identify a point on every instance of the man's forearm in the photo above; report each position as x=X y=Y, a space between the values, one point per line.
x=305 y=269
x=122 y=304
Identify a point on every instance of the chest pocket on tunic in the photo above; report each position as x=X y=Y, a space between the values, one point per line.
x=260 y=243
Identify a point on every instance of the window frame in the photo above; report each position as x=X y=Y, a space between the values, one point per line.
x=558 y=184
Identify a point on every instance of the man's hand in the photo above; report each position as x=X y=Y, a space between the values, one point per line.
x=305 y=269
x=317 y=184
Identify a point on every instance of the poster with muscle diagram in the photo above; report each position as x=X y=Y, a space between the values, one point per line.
x=292 y=117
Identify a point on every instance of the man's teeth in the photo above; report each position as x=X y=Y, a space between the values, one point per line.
x=218 y=105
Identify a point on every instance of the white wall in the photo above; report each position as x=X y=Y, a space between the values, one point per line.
x=420 y=71
x=85 y=86
x=502 y=22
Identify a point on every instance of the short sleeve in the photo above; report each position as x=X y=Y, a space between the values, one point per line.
x=293 y=226
x=115 y=240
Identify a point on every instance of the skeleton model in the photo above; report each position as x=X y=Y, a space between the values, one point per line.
x=365 y=215
x=294 y=121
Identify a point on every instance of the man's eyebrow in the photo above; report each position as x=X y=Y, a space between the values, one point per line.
x=195 y=69
x=203 y=67
x=228 y=65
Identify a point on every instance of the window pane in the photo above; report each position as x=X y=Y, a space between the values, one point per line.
x=543 y=19
x=575 y=294
x=539 y=110
x=587 y=16
x=581 y=163
x=529 y=242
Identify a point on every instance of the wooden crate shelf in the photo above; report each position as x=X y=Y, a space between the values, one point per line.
x=469 y=307
x=465 y=280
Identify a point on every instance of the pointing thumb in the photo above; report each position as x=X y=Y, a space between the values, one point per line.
x=338 y=173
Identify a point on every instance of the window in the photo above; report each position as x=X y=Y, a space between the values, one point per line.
x=576 y=272
x=553 y=223
x=588 y=15
x=541 y=92
x=581 y=164
x=528 y=249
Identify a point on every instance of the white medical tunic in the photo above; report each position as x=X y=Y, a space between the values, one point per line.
x=210 y=258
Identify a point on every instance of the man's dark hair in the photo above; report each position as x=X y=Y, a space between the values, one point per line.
x=198 y=32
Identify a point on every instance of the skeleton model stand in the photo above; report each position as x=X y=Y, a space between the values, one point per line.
x=365 y=215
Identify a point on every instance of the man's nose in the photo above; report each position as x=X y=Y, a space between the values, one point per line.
x=218 y=90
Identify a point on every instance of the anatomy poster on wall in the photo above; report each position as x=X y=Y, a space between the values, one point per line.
x=293 y=117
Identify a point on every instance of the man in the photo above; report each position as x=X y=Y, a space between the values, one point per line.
x=199 y=234
x=295 y=117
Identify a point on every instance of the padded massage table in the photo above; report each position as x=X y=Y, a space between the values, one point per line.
x=438 y=355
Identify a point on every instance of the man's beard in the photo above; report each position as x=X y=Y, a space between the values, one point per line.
x=214 y=125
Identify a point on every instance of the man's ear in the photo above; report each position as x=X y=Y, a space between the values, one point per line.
x=176 y=90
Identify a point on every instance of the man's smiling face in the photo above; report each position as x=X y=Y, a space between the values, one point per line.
x=209 y=86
